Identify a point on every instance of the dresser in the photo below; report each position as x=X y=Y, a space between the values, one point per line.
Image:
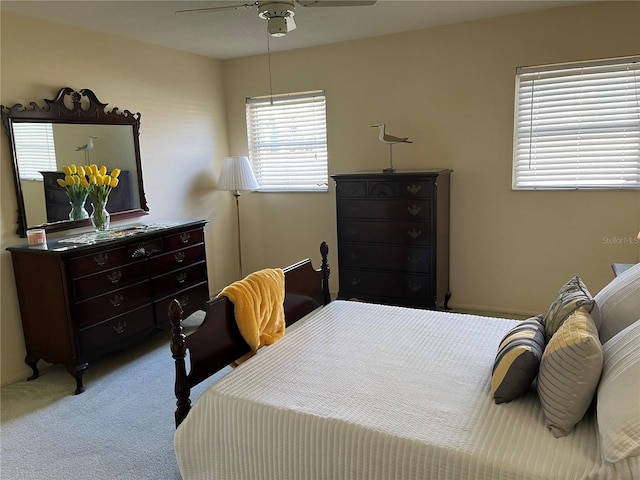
x=393 y=237
x=57 y=202
x=90 y=294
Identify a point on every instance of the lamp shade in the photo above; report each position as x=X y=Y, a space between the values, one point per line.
x=236 y=174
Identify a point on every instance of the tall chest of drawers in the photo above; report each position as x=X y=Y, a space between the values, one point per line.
x=393 y=237
x=79 y=301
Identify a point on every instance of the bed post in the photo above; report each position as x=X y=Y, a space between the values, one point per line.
x=179 y=353
x=324 y=251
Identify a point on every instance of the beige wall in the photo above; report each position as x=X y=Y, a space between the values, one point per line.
x=183 y=135
x=451 y=90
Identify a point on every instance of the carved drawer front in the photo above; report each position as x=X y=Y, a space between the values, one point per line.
x=184 y=239
x=105 y=335
x=400 y=189
x=107 y=280
x=179 y=279
x=191 y=300
x=108 y=259
x=403 y=210
x=384 y=285
x=177 y=259
x=405 y=233
x=115 y=302
x=352 y=189
x=386 y=257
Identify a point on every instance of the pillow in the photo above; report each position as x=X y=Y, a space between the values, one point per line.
x=518 y=360
x=619 y=395
x=618 y=303
x=572 y=295
x=569 y=372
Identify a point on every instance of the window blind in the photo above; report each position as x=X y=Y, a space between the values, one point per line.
x=35 y=147
x=287 y=136
x=578 y=126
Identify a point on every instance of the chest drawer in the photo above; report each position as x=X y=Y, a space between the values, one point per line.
x=405 y=233
x=384 y=285
x=106 y=335
x=179 y=279
x=386 y=257
x=177 y=259
x=190 y=299
x=113 y=303
x=403 y=210
x=109 y=259
x=184 y=239
x=106 y=280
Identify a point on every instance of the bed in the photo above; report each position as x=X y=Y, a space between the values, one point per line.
x=363 y=391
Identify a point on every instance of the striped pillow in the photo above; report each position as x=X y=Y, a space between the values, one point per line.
x=517 y=361
x=572 y=295
x=569 y=372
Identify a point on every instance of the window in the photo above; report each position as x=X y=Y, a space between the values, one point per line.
x=578 y=126
x=288 y=141
x=34 y=145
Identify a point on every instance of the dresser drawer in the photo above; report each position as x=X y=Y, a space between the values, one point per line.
x=354 y=282
x=106 y=335
x=405 y=233
x=104 y=281
x=351 y=189
x=191 y=299
x=177 y=259
x=116 y=302
x=407 y=188
x=386 y=257
x=402 y=210
x=184 y=239
x=179 y=279
x=109 y=259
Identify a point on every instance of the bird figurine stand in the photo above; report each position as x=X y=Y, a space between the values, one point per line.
x=86 y=149
x=391 y=141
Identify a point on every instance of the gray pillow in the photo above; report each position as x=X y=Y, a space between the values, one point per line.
x=573 y=295
x=517 y=360
x=569 y=372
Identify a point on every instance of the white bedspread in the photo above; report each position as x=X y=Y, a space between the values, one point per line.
x=363 y=391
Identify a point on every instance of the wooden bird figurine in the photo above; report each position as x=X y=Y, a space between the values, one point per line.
x=86 y=149
x=391 y=141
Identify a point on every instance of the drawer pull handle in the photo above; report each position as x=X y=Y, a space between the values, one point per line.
x=353 y=231
x=353 y=255
x=139 y=252
x=413 y=259
x=414 y=210
x=181 y=277
x=415 y=287
x=184 y=300
x=101 y=259
x=185 y=237
x=116 y=300
x=355 y=281
x=179 y=257
x=414 y=234
x=115 y=276
x=414 y=189
x=119 y=328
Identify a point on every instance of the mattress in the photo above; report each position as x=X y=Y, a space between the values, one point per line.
x=362 y=391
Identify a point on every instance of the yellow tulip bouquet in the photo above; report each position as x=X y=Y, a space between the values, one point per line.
x=100 y=186
x=76 y=186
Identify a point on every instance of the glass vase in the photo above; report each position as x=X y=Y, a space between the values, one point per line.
x=100 y=218
x=78 y=212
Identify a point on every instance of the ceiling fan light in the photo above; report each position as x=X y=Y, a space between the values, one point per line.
x=277 y=26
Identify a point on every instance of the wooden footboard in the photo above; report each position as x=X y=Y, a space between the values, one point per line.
x=217 y=342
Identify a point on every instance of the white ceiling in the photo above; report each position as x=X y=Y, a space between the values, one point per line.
x=238 y=33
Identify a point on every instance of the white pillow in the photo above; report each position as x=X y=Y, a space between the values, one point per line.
x=618 y=406
x=618 y=303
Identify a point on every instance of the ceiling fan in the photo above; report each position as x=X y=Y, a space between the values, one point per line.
x=279 y=14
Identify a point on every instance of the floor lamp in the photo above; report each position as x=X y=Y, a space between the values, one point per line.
x=237 y=175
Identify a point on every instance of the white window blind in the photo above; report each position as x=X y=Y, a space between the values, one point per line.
x=578 y=126
x=287 y=137
x=34 y=146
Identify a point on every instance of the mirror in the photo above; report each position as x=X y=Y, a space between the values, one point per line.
x=75 y=128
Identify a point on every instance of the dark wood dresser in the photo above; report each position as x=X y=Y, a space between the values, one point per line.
x=393 y=237
x=86 y=295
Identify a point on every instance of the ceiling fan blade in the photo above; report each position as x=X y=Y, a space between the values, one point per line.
x=291 y=24
x=335 y=3
x=217 y=9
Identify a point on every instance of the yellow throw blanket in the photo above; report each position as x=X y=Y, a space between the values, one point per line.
x=258 y=300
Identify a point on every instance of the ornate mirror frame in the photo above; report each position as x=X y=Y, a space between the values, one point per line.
x=71 y=107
